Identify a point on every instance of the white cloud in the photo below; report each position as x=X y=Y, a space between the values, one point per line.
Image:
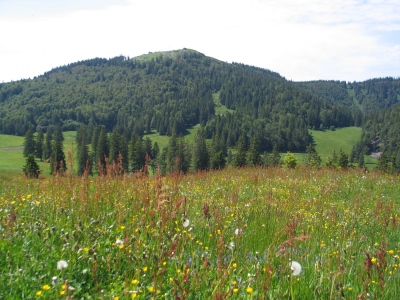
x=302 y=40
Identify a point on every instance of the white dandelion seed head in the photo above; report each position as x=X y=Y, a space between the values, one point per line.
x=231 y=246
x=62 y=264
x=238 y=231
x=186 y=223
x=295 y=267
x=119 y=242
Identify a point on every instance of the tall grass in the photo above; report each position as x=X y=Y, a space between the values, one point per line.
x=218 y=235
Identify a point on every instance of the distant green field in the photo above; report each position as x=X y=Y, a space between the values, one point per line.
x=328 y=141
x=343 y=138
x=11 y=153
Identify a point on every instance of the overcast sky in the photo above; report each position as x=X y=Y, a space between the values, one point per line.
x=300 y=39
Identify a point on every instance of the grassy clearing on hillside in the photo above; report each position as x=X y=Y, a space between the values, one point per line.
x=219 y=235
x=220 y=109
x=342 y=138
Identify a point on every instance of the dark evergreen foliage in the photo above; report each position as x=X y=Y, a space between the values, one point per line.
x=31 y=168
x=29 y=143
x=39 y=145
x=57 y=157
x=312 y=159
x=83 y=157
x=201 y=157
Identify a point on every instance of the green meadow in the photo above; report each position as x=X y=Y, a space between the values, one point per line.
x=251 y=233
x=328 y=141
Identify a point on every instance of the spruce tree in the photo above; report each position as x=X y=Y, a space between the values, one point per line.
x=275 y=157
x=31 y=168
x=240 y=155
x=360 y=160
x=183 y=156
x=115 y=149
x=137 y=156
x=254 y=154
x=29 y=143
x=84 y=163
x=171 y=154
x=155 y=150
x=39 y=144
x=312 y=159
x=93 y=144
x=289 y=161
x=102 y=151
x=217 y=157
x=57 y=157
x=47 y=143
x=343 y=160
x=383 y=162
x=201 y=158
x=123 y=148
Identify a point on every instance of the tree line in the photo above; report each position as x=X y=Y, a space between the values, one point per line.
x=116 y=153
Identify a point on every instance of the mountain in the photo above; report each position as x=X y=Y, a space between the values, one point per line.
x=171 y=91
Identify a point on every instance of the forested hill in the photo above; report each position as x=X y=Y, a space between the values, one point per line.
x=168 y=92
x=369 y=96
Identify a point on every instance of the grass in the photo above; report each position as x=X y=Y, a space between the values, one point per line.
x=216 y=235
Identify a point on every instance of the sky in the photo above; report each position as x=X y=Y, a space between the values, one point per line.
x=350 y=40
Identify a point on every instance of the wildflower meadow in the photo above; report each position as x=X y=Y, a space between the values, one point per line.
x=251 y=233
